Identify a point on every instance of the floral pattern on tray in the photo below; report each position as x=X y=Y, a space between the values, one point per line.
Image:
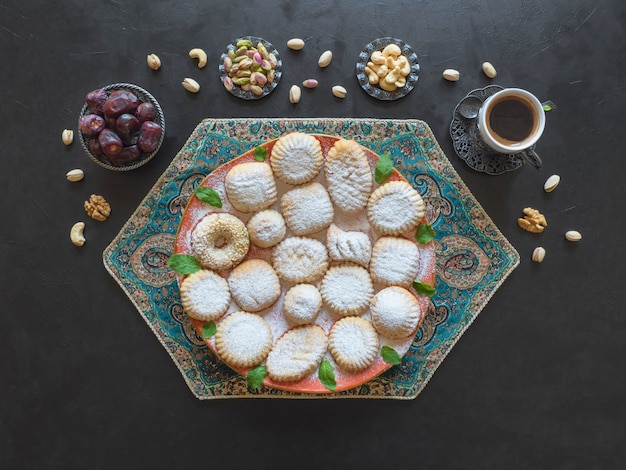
x=473 y=257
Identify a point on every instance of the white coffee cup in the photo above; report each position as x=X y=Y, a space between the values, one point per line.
x=511 y=121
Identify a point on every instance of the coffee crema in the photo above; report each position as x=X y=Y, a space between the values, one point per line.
x=512 y=119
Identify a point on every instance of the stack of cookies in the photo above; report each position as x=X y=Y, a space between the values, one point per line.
x=309 y=259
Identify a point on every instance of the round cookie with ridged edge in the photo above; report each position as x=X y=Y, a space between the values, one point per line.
x=243 y=339
x=205 y=295
x=297 y=353
x=296 y=158
x=251 y=186
x=394 y=208
x=395 y=261
x=395 y=312
x=353 y=343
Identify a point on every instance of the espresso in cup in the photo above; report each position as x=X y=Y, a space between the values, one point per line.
x=511 y=120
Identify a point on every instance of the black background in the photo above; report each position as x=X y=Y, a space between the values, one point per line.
x=538 y=381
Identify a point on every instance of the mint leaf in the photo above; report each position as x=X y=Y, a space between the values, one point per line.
x=208 y=195
x=423 y=288
x=256 y=376
x=548 y=106
x=384 y=167
x=208 y=329
x=425 y=234
x=260 y=154
x=390 y=355
x=327 y=375
x=183 y=264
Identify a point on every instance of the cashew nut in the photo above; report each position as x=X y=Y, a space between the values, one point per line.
x=378 y=58
x=76 y=234
x=371 y=76
x=199 y=54
x=392 y=50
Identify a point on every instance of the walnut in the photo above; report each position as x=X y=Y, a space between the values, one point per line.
x=533 y=221
x=97 y=208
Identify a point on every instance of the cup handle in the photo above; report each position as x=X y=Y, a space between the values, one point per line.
x=531 y=157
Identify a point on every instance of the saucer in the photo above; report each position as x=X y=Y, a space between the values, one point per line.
x=472 y=150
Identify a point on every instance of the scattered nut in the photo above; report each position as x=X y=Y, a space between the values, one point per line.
x=76 y=234
x=294 y=94
x=339 y=91
x=199 y=54
x=191 y=85
x=533 y=221
x=451 y=75
x=310 y=83
x=67 y=136
x=539 y=254
x=573 y=236
x=325 y=59
x=551 y=183
x=489 y=70
x=75 y=175
x=97 y=208
x=154 y=62
x=295 y=44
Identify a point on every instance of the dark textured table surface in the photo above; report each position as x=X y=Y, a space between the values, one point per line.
x=538 y=380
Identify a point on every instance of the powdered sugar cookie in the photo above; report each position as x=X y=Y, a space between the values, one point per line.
x=266 y=228
x=297 y=353
x=394 y=262
x=351 y=246
x=296 y=158
x=254 y=285
x=348 y=176
x=205 y=295
x=302 y=303
x=300 y=259
x=395 y=207
x=307 y=209
x=220 y=241
x=243 y=339
x=395 y=312
x=251 y=186
x=353 y=343
x=347 y=289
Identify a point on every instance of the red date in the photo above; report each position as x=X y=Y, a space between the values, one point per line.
x=120 y=103
x=145 y=112
x=95 y=101
x=110 y=142
x=149 y=136
x=127 y=127
x=126 y=155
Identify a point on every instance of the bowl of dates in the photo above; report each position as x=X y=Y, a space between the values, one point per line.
x=121 y=126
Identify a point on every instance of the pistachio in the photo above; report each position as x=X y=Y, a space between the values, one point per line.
x=153 y=61
x=339 y=91
x=257 y=78
x=539 y=254
x=228 y=83
x=451 y=75
x=75 y=175
x=199 y=54
x=325 y=59
x=244 y=43
x=295 y=44
x=489 y=70
x=67 y=136
x=310 y=83
x=294 y=94
x=573 y=236
x=191 y=85
x=256 y=90
x=551 y=183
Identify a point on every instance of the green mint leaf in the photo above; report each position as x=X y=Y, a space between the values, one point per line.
x=327 y=375
x=183 y=264
x=390 y=355
x=425 y=234
x=384 y=167
x=208 y=195
x=208 y=329
x=423 y=288
x=256 y=376
x=260 y=154
x=548 y=106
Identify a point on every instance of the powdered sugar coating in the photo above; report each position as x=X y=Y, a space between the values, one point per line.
x=205 y=295
x=395 y=312
x=296 y=158
x=297 y=353
x=251 y=186
x=353 y=343
x=220 y=241
x=302 y=303
x=395 y=261
x=348 y=176
x=254 y=285
x=350 y=246
x=395 y=207
x=347 y=289
x=266 y=228
x=307 y=209
x=243 y=339
x=300 y=259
